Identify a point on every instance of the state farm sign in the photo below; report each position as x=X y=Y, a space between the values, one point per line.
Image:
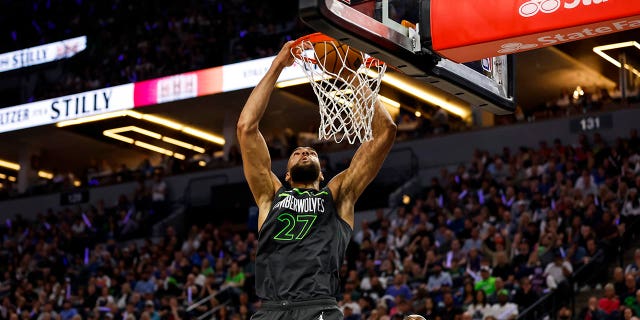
x=532 y=7
x=471 y=31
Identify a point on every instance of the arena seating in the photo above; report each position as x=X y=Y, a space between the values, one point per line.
x=489 y=238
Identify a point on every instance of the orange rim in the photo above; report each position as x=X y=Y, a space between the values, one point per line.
x=319 y=37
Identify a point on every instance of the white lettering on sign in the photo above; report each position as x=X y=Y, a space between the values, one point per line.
x=533 y=7
x=178 y=87
x=557 y=38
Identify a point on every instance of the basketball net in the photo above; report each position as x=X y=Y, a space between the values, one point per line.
x=346 y=106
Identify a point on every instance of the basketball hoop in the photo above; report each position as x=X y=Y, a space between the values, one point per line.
x=340 y=76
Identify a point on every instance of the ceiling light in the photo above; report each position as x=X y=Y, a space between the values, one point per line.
x=218 y=154
x=45 y=175
x=299 y=81
x=111 y=133
x=419 y=92
x=183 y=144
x=98 y=117
x=179 y=156
x=12 y=179
x=599 y=50
x=147 y=117
x=202 y=163
x=3 y=176
x=198 y=149
x=388 y=101
x=146 y=132
x=10 y=165
x=77 y=183
x=134 y=114
x=115 y=134
x=162 y=121
x=203 y=135
x=153 y=148
x=293 y=82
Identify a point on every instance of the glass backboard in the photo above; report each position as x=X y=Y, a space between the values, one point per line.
x=398 y=33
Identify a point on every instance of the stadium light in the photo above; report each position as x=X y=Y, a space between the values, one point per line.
x=599 y=50
x=9 y=165
x=45 y=174
x=419 y=92
x=116 y=133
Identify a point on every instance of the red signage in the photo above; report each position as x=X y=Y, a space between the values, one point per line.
x=472 y=29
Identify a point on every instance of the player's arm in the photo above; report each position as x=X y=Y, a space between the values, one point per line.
x=255 y=154
x=348 y=185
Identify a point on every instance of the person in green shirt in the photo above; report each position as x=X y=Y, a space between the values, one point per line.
x=633 y=303
x=487 y=283
x=235 y=277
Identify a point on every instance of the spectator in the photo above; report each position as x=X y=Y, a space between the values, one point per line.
x=399 y=288
x=364 y=233
x=235 y=277
x=631 y=286
x=480 y=307
x=350 y=307
x=448 y=311
x=557 y=272
x=609 y=303
x=586 y=184
x=68 y=311
x=633 y=303
x=592 y=311
x=593 y=258
x=503 y=309
x=564 y=314
x=437 y=280
x=159 y=193
x=145 y=285
x=525 y=296
x=633 y=268
x=618 y=281
x=631 y=206
x=486 y=282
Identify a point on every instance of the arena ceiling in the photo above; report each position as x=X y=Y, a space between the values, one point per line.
x=541 y=75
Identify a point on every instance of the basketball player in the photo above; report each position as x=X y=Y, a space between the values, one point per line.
x=303 y=231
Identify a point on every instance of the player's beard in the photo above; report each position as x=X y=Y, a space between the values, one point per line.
x=305 y=173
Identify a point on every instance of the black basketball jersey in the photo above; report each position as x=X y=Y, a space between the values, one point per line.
x=301 y=247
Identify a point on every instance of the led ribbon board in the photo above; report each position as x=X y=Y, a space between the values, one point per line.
x=42 y=54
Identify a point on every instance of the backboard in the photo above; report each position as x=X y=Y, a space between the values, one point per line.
x=398 y=33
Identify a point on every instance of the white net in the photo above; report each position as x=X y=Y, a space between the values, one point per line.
x=346 y=82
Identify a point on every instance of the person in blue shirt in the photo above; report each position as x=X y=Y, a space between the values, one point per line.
x=399 y=287
x=68 y=311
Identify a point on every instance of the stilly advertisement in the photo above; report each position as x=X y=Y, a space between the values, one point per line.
x=479 y=29
x=66 y=108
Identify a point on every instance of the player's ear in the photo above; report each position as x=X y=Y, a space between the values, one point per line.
x=321 y=176
x=287 y=177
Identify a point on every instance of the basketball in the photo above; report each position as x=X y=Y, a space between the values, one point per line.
x=334 y=56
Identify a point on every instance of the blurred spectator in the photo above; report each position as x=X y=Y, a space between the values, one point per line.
x=592 y=311
x=558 y=272
x=503 y=309
x=525 y=296
x=486 y=282
x=480 y=307
x=609 y=303
x=159 y=194
x=437 y=280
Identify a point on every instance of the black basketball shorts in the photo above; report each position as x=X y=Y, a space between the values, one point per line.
x=320 y=309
